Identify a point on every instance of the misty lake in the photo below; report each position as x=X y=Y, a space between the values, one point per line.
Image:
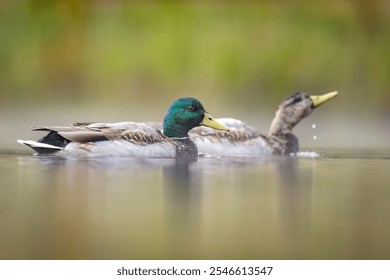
x=335 y=206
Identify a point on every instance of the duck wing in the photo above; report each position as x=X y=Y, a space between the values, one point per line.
x=111 y=138
x=136 y=133
x=77 y=132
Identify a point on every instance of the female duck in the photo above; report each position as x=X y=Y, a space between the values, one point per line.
x=129 y=138
x=243 y=140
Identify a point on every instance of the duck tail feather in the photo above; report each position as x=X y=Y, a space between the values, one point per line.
x=39 y=147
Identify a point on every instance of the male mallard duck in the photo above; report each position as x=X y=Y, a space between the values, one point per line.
x=245 y=140
x=129 y=138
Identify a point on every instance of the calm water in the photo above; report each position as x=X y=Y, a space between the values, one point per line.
x=336 y=206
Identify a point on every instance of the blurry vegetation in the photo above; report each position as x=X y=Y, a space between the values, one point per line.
x=235 y=53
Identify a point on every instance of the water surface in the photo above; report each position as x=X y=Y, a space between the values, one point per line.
x=335 y=206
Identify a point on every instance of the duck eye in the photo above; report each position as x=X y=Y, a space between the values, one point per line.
x=191 y=108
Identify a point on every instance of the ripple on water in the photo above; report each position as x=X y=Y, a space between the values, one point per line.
x=306 y=154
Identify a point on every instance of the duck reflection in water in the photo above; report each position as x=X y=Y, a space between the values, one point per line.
x=295 y=191
x=182 y=207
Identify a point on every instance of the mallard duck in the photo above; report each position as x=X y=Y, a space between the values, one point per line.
x=129 y=138
x=243 y=140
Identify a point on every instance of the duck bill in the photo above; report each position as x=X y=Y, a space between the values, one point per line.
x=321 y=99
x=210 y=122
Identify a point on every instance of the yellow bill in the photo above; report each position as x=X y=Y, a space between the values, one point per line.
x=210 y=122
x=320 y=99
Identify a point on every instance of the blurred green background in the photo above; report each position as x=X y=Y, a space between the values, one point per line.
x=127 y=60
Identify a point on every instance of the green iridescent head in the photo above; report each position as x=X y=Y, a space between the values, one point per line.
x=185 y=114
